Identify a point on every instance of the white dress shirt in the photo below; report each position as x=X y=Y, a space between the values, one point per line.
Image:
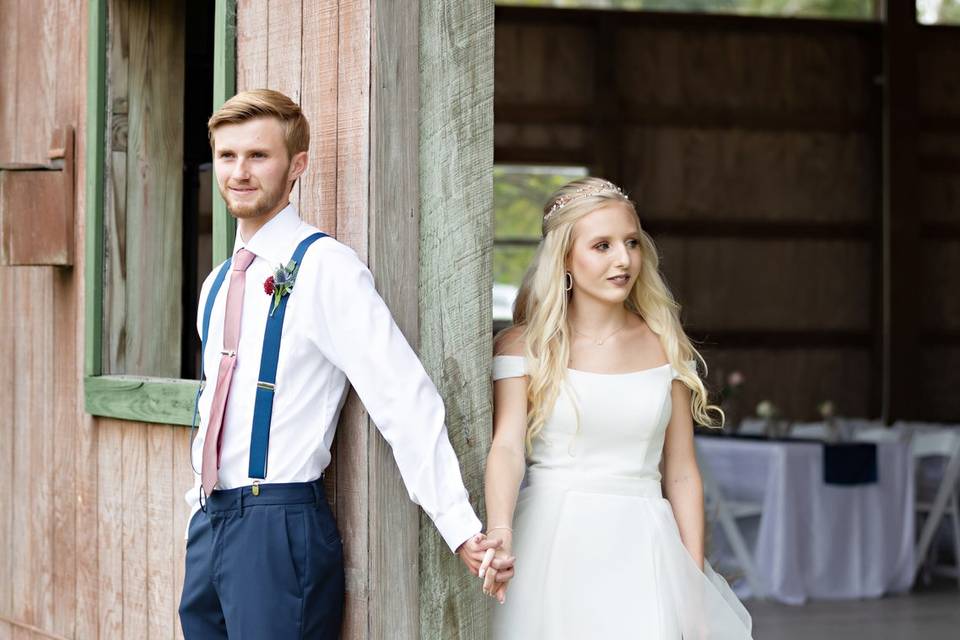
x=337 y=331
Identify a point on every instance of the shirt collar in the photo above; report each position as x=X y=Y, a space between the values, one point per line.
x=273 y=241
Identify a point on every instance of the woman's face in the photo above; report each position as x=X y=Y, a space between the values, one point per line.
x=604 y=258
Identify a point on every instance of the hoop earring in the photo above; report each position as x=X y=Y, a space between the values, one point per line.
x=568 y=280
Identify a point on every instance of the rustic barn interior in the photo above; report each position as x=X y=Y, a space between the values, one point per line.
x=801 y=178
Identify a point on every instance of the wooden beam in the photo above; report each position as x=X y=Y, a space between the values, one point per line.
x=901 y=224
x=394 y=255
x=95 y=141
x=456 y=229
x=742 y=229
x=687 y=21
x=682 y=117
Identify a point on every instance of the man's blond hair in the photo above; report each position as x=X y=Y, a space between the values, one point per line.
x=265 y=103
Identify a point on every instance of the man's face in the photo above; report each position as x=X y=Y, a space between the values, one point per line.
x=254 y=172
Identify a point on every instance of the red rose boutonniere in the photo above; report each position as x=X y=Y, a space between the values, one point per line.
x=280 y=283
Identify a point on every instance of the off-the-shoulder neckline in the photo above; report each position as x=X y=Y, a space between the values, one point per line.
x=601 y=373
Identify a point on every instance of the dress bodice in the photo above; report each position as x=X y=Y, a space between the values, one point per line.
x=609 y=424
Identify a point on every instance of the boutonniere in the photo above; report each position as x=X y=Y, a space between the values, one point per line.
x=280 y=283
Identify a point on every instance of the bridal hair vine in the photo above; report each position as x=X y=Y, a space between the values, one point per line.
x=582 y=192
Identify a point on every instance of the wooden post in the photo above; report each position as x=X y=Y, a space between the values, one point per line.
x=901 y=223
x=456 y=234
x=393 y=239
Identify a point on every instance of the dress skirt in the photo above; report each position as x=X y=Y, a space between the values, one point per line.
x=601 y=557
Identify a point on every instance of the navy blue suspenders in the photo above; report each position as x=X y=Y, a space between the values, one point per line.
x=266 y=383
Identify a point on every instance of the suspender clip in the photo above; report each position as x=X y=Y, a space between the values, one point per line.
x=266 y=385
x=255 y=490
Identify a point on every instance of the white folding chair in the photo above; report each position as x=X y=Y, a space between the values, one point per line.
x=727 y=513
x=944 y=443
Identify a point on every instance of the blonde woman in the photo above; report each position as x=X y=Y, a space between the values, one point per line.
x=595 y=395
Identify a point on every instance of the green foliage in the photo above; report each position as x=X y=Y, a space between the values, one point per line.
x=519 y=193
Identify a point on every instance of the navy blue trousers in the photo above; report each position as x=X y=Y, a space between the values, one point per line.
x=264 y=567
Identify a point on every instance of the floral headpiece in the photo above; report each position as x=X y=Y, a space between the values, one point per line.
x=582 y=192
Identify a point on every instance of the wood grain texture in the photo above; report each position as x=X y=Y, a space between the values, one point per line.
x=253 y=23
x=394 y=256
x=159 y=400
x=8 y=432
x=160 y=540
x=154 y=191
x=110 y=593
x=36 y=79
x=353 y=125
x=355 y=432
x=183 y=480
x=455 y=158
x=133 y=539
x=318 y=99
x=8 y=78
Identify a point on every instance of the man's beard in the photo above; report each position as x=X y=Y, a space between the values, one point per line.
x=263 y=205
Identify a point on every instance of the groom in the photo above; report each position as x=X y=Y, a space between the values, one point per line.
x=286 y=324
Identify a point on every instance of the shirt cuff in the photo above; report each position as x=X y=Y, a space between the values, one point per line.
x=457 y=525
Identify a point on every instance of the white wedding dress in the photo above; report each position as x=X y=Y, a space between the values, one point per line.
x=598 y=551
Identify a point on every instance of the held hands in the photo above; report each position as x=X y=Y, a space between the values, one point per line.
x=485 y=558
x=496 y=570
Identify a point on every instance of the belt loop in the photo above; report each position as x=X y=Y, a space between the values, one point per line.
x=240 y=498
x=203 y=500
x=315 y=485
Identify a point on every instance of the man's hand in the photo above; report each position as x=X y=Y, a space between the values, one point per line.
x=473 y=550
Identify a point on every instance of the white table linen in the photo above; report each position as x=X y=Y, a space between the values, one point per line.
x=816 y=540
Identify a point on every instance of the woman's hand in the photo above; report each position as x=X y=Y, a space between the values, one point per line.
x=496 y=570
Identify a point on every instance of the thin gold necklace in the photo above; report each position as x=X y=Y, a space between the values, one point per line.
x=596 y=341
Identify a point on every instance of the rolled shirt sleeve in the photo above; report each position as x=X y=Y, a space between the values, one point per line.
x=357 y=333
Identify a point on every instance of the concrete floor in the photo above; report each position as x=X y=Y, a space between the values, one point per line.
x=929 y=613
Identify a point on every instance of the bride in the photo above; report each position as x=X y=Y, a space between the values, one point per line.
x=595 y=395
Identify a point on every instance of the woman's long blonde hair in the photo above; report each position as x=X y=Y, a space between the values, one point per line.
x=540 y=309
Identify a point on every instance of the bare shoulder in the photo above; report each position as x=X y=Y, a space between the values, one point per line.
x=509 y=342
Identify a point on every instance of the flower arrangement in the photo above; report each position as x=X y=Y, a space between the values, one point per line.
x=281 y=283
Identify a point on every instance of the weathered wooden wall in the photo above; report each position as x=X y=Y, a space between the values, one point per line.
x=48 y=553
x=752 y=148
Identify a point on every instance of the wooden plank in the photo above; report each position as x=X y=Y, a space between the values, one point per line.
x=160 y=400
x=394 y=239
x=92 y=173
x=160 y=539
x=183 y=480
x=67 y=368
x=253 y=22
x=284 y=55
x=353 y=123
x=133 y=540
x=113 y=284
x=66 y=420
x=109 y=527
x=36 y=81
x=354 y=431
x=318 y=187
x=8 y=432
x=9 y=20
x=456 y=163
x=152 y=317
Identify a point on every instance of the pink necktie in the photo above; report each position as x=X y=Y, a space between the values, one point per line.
x=231 y=338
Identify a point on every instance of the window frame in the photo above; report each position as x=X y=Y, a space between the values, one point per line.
x=128 y=397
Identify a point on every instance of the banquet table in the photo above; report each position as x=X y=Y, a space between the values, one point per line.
x=819 y=540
